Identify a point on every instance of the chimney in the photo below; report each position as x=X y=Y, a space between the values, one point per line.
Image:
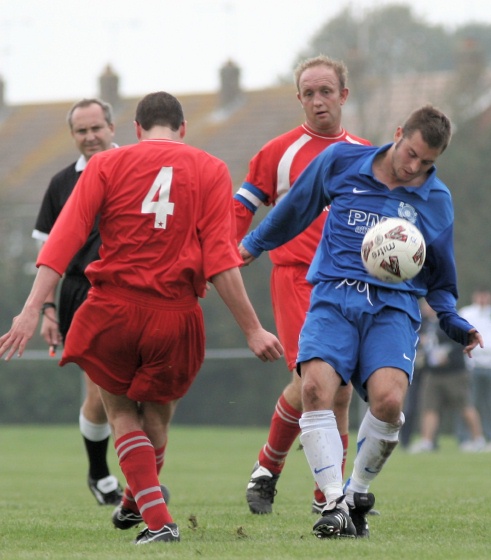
x=109 y=86
x=230 y=91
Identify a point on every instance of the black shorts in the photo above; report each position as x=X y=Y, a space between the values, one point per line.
x=73 y=293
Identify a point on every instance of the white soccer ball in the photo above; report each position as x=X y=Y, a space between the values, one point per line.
x=393 y=250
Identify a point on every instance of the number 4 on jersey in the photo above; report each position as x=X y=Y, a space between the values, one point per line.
x=157 y=199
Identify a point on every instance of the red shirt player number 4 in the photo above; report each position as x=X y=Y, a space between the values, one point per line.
x=167 y=227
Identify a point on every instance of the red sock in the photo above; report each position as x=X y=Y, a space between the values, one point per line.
x=137 y=461
x=283 y=431
x=318 y=495
x=159 y=457
x=128 y=500
x=344 y=439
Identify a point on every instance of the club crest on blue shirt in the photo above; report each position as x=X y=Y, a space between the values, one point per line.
x=407 y=212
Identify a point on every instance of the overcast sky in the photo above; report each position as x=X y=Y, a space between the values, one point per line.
x=57 y=49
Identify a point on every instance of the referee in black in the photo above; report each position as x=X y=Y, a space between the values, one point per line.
x=92 y=128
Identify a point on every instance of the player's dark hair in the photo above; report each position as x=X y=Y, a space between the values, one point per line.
x=434 y=126
x=159 y=109
x=87 y=102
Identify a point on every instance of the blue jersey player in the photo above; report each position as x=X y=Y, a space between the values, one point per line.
x=359 y=328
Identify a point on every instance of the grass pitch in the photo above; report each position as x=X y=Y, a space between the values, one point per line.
x=433 y=506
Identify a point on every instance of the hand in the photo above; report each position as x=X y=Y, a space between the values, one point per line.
x=246 y=256
x=474 y=340
x=50 y=329
x=265 y=345
x=22 y=330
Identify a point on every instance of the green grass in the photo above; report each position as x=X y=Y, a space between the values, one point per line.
x=435 y=506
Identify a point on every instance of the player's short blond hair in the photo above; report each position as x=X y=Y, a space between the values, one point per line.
x=322 y=60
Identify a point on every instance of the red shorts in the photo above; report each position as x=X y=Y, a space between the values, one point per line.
x=145 y=348
x=290 y=295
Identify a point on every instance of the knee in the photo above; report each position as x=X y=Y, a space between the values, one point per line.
x=342 y=398
x=312 y=397
x=387 y=409
x=293 y=394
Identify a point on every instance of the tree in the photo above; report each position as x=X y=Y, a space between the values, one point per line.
x=479 y=33
x=465 y=168
x=390 y=40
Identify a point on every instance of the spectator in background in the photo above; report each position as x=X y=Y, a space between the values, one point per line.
x=479 y=313
x=92 y=128
x=445 y=386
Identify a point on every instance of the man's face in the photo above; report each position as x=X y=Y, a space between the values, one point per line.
x=321 y=98
x=412 y=158
x=90 y=130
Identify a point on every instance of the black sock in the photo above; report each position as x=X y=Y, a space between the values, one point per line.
x=97 y=453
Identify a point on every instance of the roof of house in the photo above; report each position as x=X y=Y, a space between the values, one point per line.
x=35 y=141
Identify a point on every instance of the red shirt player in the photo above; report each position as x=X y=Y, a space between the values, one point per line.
x=167 y=227
x=321 y=90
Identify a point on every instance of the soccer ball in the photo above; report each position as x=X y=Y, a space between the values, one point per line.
x=393 y=250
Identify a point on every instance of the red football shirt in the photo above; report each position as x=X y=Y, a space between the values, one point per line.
x=272 y=172
x=167 y=221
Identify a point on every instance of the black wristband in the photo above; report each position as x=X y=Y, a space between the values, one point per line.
x=48 y=305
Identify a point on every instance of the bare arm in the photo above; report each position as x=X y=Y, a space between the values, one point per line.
x=25 y=324
x=49 y=321
x=230 y=287
x=50 y=330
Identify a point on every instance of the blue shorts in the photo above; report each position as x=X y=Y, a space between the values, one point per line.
x=355 y=331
